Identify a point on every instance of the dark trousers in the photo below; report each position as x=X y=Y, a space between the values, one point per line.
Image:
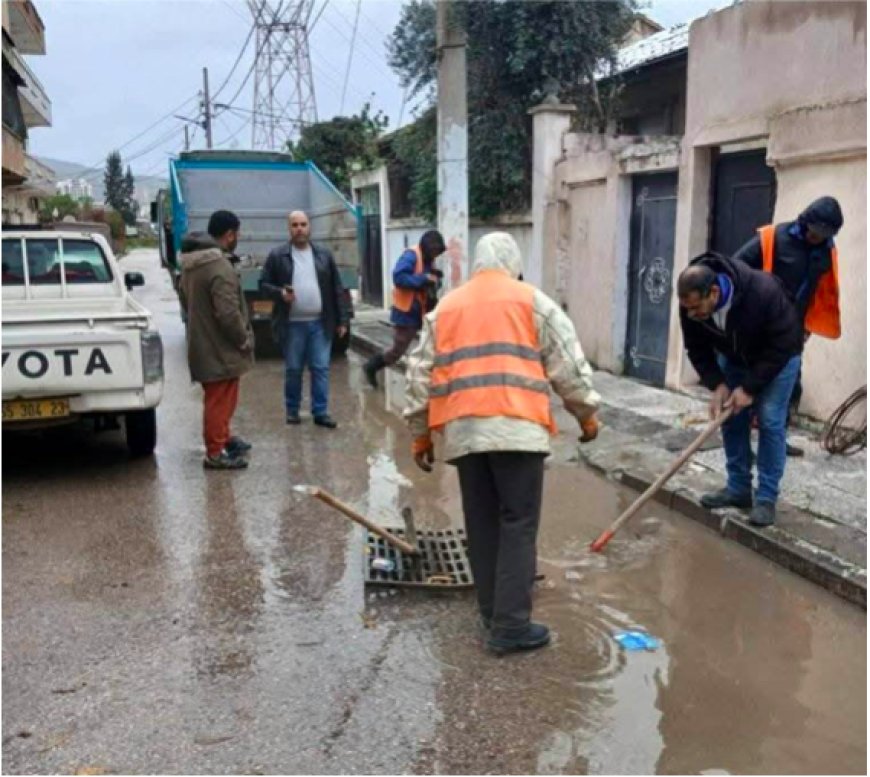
x=403 y=336
x=501 y=499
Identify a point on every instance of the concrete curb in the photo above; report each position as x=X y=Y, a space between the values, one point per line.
x=791 y=552
x=788 y=551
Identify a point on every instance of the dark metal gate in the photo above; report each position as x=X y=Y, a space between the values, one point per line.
x=372 y=264
x=651 y=264
x=745 y=195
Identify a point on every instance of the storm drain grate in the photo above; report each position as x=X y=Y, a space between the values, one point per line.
x=442 y=563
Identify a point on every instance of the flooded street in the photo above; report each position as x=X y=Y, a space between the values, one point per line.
x=158 y=618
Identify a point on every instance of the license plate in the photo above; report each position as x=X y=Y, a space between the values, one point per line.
x=34 y=410
x=262 y=307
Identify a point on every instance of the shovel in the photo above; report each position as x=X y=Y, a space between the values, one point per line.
x=713 y=426
x=327 y=498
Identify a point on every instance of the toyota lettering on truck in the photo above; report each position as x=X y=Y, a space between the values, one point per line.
x=76 y=346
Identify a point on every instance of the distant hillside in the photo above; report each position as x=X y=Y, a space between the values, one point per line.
x=64 y=170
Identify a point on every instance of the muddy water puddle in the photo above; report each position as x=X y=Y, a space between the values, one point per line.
x=220 y=624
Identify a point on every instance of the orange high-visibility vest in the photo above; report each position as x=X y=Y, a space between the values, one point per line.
x=403 y=299
x=823 y=312
x=487 y=356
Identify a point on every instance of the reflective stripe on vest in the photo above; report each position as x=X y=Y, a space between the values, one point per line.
x=403 y=299
x=487 y=356
x=823 y=312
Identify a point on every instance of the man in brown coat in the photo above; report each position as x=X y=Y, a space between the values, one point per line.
x=220 y=340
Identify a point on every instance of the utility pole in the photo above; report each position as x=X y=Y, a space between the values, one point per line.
x=206 y=104
x=186 y=138
x=452 y=142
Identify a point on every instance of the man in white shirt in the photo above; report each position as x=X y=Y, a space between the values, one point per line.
x=310 y=309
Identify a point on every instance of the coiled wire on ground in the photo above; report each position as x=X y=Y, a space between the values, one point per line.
x=845 y=431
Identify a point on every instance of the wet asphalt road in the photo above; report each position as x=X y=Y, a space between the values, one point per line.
x=162 y=619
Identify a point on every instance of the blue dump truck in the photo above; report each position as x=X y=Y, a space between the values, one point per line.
x=261 y=188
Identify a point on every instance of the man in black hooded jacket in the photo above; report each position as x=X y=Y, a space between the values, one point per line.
x=804 y=255
x=744 y=339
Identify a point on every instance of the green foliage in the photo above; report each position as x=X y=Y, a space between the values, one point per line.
x=63 y=203
x=518 y=53
x=341 y=146
x=414 y=148
x=131 y=207
x=120 y=188
x=113 y=181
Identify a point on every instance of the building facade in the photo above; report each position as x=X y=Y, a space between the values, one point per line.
x=722 y=127
x=26 y=182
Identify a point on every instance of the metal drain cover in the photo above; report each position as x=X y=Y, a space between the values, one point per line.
x=442 y=563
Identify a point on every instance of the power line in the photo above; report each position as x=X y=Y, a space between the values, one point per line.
x=350 y=57
x=245 y=125
x=319 y=14
x=97 y=168
x=374 y=62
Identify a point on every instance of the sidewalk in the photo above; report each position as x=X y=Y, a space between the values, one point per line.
x=821 y=529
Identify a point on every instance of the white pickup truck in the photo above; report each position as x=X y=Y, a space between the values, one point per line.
x=75 y=344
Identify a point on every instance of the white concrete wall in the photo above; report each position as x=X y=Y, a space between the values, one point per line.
x=403 y=234
x=833 y=369
x=588 y=235
x=793 y=75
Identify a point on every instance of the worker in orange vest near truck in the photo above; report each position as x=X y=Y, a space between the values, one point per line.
x=415 y=282
x=481 y=376
x=803 y=256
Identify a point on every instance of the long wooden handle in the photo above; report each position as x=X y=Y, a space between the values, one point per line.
x=712 y=427
x=327 y=498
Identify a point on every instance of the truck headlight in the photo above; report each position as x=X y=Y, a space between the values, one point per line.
x=152 y=356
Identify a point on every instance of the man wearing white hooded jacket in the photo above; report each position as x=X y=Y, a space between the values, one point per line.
x=481 y=375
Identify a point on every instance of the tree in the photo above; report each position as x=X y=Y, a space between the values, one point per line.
x=341 y=146
x=113 y=182
x=131 y=207
x=64 y=204
x=518 y=53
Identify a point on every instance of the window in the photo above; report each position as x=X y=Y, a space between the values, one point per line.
x=83 y=261
x=13 y=263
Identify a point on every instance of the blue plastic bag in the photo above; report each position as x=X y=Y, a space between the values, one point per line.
x=636 y=640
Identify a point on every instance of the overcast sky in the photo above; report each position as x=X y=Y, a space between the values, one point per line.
x=113 y=68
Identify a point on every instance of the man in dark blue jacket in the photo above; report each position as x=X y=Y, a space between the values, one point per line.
x=415 y=284
x=744 y=339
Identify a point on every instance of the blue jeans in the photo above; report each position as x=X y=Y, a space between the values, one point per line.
x=306 y=343
x=771 y=407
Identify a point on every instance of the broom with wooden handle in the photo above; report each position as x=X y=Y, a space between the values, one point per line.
x=713 y=426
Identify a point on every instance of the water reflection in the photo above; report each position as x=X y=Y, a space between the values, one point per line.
x=229 y=591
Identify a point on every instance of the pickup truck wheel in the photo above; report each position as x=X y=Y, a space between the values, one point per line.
x=141 y=432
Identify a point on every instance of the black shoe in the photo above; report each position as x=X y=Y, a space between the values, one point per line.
x=535 y=635
x=325 y=421
x=236 y=446
x=293 y=419
x=224 y=460
x=793 y=451
x=371 y=368
x=763 y=514
x=724 y=498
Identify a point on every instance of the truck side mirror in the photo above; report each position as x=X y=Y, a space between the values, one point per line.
x=154 y=212
x=132 y=279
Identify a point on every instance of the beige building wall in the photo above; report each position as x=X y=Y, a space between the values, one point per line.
x=588 y=235
x=791 y=74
